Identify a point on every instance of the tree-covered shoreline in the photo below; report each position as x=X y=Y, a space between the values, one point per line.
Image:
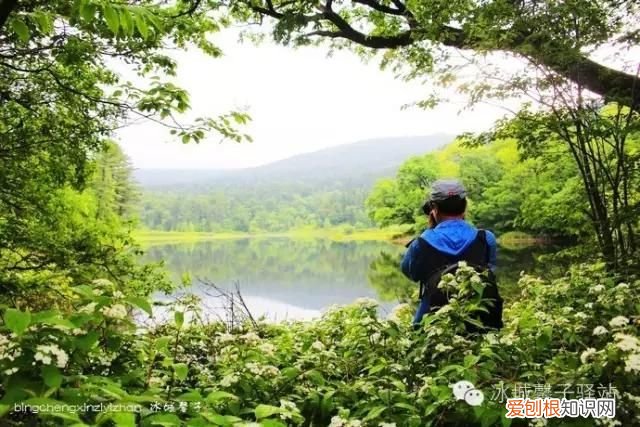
x=73 y=286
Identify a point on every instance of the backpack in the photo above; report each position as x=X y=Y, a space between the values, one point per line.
x=477 y=257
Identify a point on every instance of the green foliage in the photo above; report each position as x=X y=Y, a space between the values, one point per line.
x=539 y=195
x=271 y=208
x=66 y=195
x=348 y=368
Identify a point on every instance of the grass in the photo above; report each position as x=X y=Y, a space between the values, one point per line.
x=151 y=237
x=513 y=240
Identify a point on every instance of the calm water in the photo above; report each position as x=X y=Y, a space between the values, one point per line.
x=297 y=279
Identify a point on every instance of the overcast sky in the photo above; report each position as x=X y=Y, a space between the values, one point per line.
x=300 y=100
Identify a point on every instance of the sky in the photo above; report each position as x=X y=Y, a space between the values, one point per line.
x=300 y=100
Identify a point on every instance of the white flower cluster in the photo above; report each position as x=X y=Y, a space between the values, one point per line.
x=105 y=359
x=9 y=350
x=229 y=380
x=448 y=281
x=89 y=308
x=587 y=355
x=387 y=425
x=458 y=339
x=262 y=370
x=289 y=407
x=476 y=279
x=443 y=348
x=600 y=330
x=581 y=315
x=11 y=371
x=251 y=338
x=318 y=346
x=102 y=283
x=116 y=311
x=267 y=349
x=567 y=309
x=367 y=321
x=47 y=353
x=225 y=338
x=491 y=338
x=632 y=363
x=118 y=294
x=338 y=421
x=399 y=312
x=627 y=343
x=366 y=302
x=619 y=322
x=596 y=289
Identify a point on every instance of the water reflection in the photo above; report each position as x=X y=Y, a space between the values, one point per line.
x=281 y=277
x=296 y=279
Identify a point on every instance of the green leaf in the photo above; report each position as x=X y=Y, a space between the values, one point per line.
x=17 y=321
x=123 y=419
x=162 y=343
x=315 y=377
x=404 y=405
x=21 y=29
x=44 y=22
x=218 y=395
x=88 y=11
x=377 y=368
x=399 y=385
x=51 y=376
x=51 y=317
x=141 y=303
x=272 y=423
x=166 y=420
x=181 y=370
x=374 y=413
x=264 y=411
x=290 y=372
x=112 y=18
x=88 y=341
x=190 y=396
x=126 y=21
x=141 y=25
x=221 y=420
x=179 y=319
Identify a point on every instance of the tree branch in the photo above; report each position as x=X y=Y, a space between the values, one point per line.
x=194 y=6
x=373 y=4
x=376 y=42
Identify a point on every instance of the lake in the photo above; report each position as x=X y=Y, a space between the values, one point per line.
x=282 y=278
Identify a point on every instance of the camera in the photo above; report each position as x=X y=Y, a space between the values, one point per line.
x=427 y=207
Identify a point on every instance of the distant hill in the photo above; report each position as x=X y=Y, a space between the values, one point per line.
x=324 y=188
x=359 y=163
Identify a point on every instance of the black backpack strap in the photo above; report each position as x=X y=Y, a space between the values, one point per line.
x=436 y=259
x=482 y=235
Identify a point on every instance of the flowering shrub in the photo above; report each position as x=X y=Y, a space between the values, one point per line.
x=349 y=368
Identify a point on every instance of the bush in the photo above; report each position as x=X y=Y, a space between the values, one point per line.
x=348 y=368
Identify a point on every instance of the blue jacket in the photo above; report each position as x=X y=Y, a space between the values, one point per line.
x=450 y=237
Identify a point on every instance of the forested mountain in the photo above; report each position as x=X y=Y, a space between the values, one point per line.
x=322 y=188
x=359 y=162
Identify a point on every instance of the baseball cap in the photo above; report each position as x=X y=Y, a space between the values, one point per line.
x=442 y=189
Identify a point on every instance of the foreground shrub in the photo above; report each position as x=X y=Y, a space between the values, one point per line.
x=348 y=368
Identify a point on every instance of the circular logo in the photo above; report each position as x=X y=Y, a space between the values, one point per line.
x=460 y=388
x=474 y=397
